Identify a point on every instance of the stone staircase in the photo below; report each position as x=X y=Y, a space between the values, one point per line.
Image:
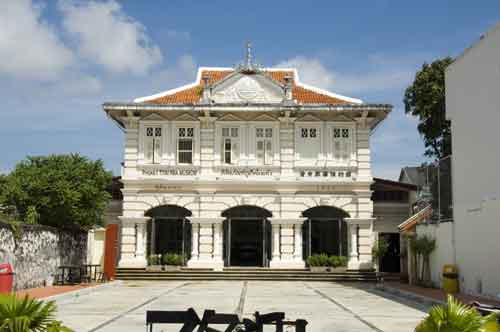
x=246 y=274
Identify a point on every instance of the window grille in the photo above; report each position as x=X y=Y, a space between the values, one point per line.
x=342 y=144
x=230 y=145
x=264 y=146
x=152 y=145
x=185 y=145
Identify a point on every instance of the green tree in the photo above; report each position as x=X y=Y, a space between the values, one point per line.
x=425 y=99
x=67 y=191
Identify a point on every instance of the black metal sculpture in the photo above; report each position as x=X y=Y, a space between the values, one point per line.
x=191 y=321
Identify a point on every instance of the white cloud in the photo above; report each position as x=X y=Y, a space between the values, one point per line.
x=311 y=71
x=183 y=72
x=382 y=74
x=29 y=47
x=107 y=36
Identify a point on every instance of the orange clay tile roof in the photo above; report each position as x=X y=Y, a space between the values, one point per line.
x=415 y=219
x=193 y=94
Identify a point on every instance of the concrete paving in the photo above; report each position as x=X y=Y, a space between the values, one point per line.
x=328 y=307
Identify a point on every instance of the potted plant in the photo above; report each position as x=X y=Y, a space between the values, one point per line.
x=318 y=263
x=172 y=261
x=154 y=263
x=337 y=263
x=455 y=316
x=379 y=250
x=27 y=314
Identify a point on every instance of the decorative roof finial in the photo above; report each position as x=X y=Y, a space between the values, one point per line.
x=248 y=55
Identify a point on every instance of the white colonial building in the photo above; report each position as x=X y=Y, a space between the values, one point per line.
x=247 y=167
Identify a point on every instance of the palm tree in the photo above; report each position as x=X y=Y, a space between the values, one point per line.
x=28 y=315
x=457 y=317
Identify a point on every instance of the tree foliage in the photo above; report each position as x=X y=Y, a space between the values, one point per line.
x=67 y=191
x=425 y=99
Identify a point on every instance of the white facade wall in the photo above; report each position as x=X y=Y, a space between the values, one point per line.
x=473 y=106
x=290 y=187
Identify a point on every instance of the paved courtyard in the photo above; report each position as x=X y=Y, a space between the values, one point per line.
x=328 y=307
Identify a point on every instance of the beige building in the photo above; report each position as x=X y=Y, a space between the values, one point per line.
x=247 y=166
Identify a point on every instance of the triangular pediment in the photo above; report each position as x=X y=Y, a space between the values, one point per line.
x=343 y=117
x=185 y=117
x=230 y=117
x=309 y=117
x=153 y=117
x=247 y=88
x=264 y=117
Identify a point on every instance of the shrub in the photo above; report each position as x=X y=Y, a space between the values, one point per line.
x=154 y=260
x=342 y=261
x=380 y=248
x=172 y=259
x=323 y=259
x=333 y=261
x=313 y=260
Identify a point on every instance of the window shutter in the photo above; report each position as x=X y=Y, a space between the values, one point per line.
x=235 y=151
x=157 y=149
x=260 y=151
x=149 y=149
x=269 y=152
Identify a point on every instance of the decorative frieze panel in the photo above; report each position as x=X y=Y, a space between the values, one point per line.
x=169 y=171
x=246 y=171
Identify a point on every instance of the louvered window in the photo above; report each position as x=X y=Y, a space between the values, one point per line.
x=342 y=144
x=152 y=145
x=264 y=148
x=185 y=145
x=230 y=145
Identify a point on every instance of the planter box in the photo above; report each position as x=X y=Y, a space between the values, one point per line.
x=154 y=268
x=172 y=268
x=324 y=269
x=320 y=269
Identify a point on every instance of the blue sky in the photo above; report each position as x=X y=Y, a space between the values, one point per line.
x=61 y=60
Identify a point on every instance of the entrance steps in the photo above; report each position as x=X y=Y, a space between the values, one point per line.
x=245 y=274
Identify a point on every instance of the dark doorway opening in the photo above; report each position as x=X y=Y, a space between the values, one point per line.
x=247 y=236
x=324 y=231
x=391 y=262
x=169 y=230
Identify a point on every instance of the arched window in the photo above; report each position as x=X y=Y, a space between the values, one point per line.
x=325 y=231
x=247 y=236
x=169 y=230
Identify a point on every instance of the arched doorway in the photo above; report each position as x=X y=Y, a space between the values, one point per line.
x=169 y=230
x=247 y=236
x=324 y=231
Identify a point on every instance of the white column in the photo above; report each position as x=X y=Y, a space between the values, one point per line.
x=285 y=240
x=361 y=259
x=353 y=255
x=218 y=241
x=298 y=242
x=276 y=242
x=133 y=241
x=194 y=241
x=140 y=239
x=209 y=242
